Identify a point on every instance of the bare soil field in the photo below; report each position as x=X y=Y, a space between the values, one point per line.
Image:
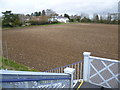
x=51 y=46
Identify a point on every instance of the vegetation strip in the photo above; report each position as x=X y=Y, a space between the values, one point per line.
x=12 y=65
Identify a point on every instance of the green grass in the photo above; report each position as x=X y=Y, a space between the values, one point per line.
x=11 y=65
x=20 y=27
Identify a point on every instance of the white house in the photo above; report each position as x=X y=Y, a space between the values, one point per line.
x=114 y=16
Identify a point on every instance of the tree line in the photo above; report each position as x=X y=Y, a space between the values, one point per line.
x=10 y=19
x=96 y=19
x=40 y=13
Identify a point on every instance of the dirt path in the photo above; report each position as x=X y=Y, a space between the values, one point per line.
x=47 y=47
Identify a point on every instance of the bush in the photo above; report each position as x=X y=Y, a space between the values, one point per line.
x=85 y=20
x=10 y=19
x=38 y=22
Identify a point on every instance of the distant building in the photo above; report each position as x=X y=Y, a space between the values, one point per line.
x=114 y=16
x=58 y=19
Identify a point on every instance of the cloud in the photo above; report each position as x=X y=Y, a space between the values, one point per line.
x=60 y=6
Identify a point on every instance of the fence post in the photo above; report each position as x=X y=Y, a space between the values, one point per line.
x=71 y=72
x=86 y=66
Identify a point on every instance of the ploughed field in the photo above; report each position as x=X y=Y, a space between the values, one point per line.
x=51 y=46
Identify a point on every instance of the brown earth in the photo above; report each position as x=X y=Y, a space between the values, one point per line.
x=51 y=46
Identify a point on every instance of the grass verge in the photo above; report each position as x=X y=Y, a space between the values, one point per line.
x=20 y=27
x=11 y=65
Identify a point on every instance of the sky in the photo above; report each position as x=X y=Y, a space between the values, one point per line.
x=71 y=7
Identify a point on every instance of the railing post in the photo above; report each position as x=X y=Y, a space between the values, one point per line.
x=86 y=66
x=71 y=72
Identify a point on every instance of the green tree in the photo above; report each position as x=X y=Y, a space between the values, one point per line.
x=36 y=14
x=96 y=18
x=32 y=14
x=39 y=13
x=109 y=19
x=10 y=19
x=85 y=19
x=43 y=13
x=101 y=19
x=78 y=18
x=71 y=20
x=67 y=16
x=28 y=15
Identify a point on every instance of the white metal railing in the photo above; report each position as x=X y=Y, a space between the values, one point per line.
x=101 y=71
x=26 y=79
x=78 y=66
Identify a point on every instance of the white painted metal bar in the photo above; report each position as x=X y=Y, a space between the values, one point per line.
x=10 y=72
x=27 y=79
x=59 y=70
x=104 y=59
x=100 y=76
x=86 y=66
x=101 y=70
x=108 y=79
x=111 y=72
x=75 y=72
x=71 y=72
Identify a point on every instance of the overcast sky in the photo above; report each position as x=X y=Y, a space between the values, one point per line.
x=60 y=6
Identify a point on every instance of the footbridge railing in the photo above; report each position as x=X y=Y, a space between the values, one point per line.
x=78 y=66
x=101 y=71
x=25 y=79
